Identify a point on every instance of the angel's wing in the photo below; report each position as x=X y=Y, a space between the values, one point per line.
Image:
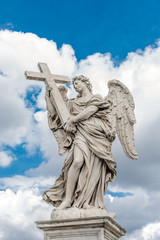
x=123 y=116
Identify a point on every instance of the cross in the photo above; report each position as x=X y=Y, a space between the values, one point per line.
x=51 y=80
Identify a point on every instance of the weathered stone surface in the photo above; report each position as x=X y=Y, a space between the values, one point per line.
x=72 y=213
x=98 y=228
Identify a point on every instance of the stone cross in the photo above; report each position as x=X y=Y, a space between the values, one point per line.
x=51 y=80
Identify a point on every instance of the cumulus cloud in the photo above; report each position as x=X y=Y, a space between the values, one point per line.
x=19 y=182
x=21 y=122
x=5 y=159
x=149 y=232
x=21 y=205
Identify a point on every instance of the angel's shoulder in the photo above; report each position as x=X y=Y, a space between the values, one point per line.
x=96 y=100
x=96 y=97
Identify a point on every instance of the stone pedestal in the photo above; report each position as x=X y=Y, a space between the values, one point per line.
x=91 y=228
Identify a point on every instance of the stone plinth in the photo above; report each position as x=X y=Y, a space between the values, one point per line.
x=92 y=228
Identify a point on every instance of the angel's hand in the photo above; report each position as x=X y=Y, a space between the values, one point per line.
x=111 y=135
x=69 y=126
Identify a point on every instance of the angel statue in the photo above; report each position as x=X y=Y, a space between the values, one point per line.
x=87 y=138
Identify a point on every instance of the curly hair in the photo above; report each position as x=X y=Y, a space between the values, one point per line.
x=83 y=79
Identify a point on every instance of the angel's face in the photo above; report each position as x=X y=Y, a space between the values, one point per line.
x=79 y=86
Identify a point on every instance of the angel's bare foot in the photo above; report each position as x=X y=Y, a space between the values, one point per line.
x=65 y=204
x=87 y=206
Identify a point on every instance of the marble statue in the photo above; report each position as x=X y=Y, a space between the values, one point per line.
x=85 y=128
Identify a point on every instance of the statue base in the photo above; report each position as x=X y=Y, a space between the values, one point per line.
x=74 y=212
x=86 y=228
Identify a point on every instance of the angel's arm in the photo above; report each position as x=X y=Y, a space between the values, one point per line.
x=85 y=114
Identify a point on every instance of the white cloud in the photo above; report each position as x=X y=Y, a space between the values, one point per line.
x=5 y=159
x=19 y=182
x=149 y=232
x=21 y=205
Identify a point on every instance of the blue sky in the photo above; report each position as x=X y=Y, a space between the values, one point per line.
x=102 y=40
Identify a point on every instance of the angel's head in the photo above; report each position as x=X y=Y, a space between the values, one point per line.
x=76 y=81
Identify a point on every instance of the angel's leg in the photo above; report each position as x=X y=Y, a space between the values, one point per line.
x=72 y=179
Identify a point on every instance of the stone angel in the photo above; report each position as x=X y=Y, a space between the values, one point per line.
x=87 y=138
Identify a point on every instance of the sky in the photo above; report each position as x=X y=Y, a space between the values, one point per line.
x=100 y=39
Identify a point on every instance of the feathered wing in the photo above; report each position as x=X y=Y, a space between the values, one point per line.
x=123 y=117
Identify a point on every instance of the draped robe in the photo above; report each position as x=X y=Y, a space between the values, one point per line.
x=98 y=167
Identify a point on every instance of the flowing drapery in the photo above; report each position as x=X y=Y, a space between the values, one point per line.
x=98 y=167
